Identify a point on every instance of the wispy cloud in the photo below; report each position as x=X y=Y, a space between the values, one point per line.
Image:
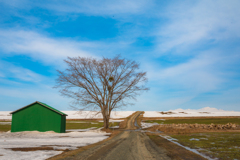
x=188 y=48
x=40 y=47
x=210 y=72
x=197 y=75
x=100 y=8
x=10 y=71
x=89 y=7
x=18 y=84
x=194 y=23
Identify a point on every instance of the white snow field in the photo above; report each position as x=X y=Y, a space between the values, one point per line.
x=203 y=112
x=78 y=115
x=5 y=115
x=94 y=115
x=27 y=139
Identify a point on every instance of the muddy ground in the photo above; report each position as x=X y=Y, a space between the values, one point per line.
x=131 y=143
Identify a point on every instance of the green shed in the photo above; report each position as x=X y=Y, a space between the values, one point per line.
x=38 y=116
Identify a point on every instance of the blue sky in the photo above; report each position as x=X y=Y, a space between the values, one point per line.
x=190 y=49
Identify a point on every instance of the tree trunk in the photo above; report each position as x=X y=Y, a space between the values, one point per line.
x=106 y=122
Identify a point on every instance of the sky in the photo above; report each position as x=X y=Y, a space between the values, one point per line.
x=189 y=49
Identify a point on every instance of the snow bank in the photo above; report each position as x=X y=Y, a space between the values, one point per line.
x=5 y=115
x=70 y=141
x=203 y=112
x=121 y=114
x=95 y=115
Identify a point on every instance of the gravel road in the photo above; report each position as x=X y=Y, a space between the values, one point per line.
x=131 y=144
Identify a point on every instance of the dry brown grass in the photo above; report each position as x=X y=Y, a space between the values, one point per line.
x=34 y=149
x=174 y=130
x=158 y=118
x=92 y=119
x=123 y=124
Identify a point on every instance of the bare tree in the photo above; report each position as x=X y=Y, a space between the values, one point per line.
x=101 y=84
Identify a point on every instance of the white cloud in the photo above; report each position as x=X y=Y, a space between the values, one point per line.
x=106 y=7
x=41 y=47
x=89 y=7
x=196 y=75
x=196 y=22
x=22 y=85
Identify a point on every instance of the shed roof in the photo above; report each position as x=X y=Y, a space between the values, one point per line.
x=44 y=105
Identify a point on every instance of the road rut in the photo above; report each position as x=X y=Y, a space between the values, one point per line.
x=131 y=144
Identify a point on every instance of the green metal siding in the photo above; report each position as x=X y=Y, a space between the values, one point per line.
x=38 y=117
x=63 y=125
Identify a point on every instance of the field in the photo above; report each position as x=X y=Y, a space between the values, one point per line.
x=5 y=126
x=84 y=124
x=220 y=144
x=85 y=130
x=196 y=120
x=174 y=151
x=70 y=124
x=42 y=145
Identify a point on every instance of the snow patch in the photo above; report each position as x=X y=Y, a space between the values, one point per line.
x=5 y=123
x=147 y=125
x=27 y=139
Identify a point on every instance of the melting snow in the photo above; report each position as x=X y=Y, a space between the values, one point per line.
x=70 y=141
x=147 y=125
x=5 y=123
x=194 y=139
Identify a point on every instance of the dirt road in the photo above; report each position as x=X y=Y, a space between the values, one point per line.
x=128 y=145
